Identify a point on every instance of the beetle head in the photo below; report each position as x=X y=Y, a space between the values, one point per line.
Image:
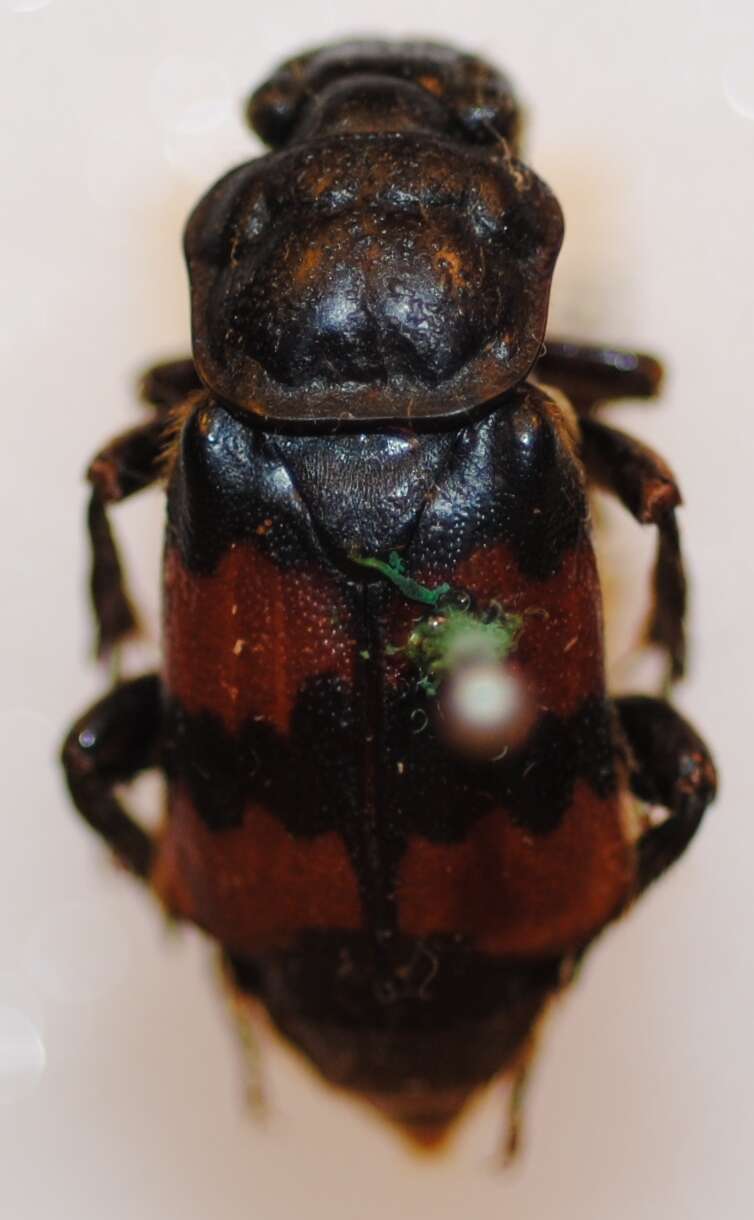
x=475 y=98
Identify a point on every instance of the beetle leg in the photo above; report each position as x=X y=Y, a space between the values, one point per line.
x=671 y=767
x=166 y=385
x=127 y=464
x=240 y=1005
x=112 y=742
x=590 y=374
x=519 y=1087
x=646 y=486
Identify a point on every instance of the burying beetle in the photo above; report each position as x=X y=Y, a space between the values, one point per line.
x=399 y=796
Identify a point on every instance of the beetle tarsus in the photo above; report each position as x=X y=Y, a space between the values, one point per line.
x=519 y=1089
x=240 y=1008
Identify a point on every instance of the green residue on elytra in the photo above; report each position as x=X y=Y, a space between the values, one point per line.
x=443 y=642
x=452 y=635
x=395 y=570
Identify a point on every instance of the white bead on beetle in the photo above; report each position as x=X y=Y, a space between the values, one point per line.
x=483 y=696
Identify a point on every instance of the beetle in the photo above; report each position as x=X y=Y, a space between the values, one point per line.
x=399 y=795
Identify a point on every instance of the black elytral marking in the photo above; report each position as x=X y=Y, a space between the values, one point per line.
x=434 y=1010
x=510 y=480
x=308 y=779
x=443 y=795
x=434 y=496
x=375 y=842
x=314 y=779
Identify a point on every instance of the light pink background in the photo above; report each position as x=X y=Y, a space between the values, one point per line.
x=119 y=1084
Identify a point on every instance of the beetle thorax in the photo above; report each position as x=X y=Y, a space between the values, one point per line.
x=383 y=264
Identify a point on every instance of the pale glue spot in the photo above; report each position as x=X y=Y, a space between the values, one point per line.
x=26 y=6
x=22 y=1055
x=193 y=103
x=77 y=953
x=115 y=168
x=738 y=80
x=189 y=96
